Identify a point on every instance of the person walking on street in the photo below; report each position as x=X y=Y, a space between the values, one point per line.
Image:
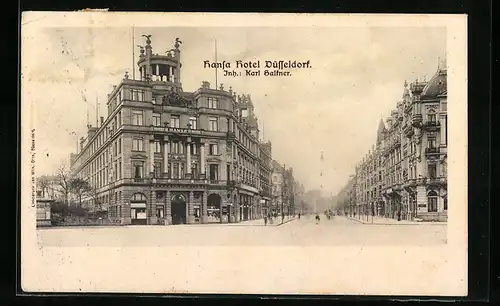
x=265 y=220
x=299 y=216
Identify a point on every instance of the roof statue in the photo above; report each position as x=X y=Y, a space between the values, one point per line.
x=177 y=43
x=141 y=49
x=148 y=38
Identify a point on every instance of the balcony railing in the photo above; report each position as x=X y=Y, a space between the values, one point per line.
x=408 y=128
x=432 y=125
x=173 y=130
x=441 y=181
x=416 y=120
x=431 y=151
x=410 y=183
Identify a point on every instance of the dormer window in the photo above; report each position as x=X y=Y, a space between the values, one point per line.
x=212 y=102
x=156 y=120
x=175 y=121
x=137 y=95
x=192 y=123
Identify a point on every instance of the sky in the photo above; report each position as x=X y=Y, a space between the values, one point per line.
x=356 y=79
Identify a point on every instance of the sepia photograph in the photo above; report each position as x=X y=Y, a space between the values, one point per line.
x=244 y=153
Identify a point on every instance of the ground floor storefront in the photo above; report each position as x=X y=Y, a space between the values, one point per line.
x=174 y=204
x=423 y=202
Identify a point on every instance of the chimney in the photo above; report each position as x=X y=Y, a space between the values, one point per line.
x=101 y=121
x=82 y=140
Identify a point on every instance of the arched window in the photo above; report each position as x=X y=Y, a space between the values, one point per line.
x=432 y=199
x=138 y=197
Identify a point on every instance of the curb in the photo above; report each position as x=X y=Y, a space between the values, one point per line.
x=160 y=225
x=290 y=220
x=415 y=223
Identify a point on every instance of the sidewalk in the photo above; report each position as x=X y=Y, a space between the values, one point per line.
x=389 y=221
x=260 y=222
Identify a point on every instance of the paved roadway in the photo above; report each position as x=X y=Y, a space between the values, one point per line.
x=338 y=231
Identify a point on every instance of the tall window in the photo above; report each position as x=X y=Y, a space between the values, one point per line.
x=174 y=147
x=212 y=102
x=119 y=168
x=175 y=170
x=157 y=146
x=137 y=95
x=119 y=145
x=432 y=170
x=212 y=124
x=431 y=142
x=137 y=118
x=192 y=122
x=432 y=201
x=213 y=149
x=137 y=144
x=193 y=148
x=157 y=169
x=156 y=120
x=446 y=129
x=174 y=121
x=445 y=203
x=138 y=169
x=431 y=117
x=214 y=172
x=194 y=170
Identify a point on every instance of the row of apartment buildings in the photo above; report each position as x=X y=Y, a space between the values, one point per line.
x=165 y=156
x=404 y=175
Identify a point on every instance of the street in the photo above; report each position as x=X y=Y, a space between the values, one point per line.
x=304 y=232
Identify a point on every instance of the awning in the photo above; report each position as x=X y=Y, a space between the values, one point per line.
x=241 y=191
x=137 y=205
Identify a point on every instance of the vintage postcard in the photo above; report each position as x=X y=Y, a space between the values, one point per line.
x=244 y=153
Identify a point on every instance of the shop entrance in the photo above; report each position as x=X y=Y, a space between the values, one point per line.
x=178 y=209
x=214 y=208
x=138 y=214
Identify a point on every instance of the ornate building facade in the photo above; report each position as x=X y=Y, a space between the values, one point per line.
x=283 y=189
x=265 y=184
x=165 y=156
x=404 y=175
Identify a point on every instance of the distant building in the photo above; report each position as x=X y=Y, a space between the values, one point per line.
x=278 y=181
x=265 y=173
x=43 y=204
x=404 y=175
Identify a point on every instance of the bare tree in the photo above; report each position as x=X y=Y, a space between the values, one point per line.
x=79 y=188
x=63 y=180
x=94 y=195
x=43 y=183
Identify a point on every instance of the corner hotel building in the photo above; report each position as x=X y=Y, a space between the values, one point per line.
x=165 y=156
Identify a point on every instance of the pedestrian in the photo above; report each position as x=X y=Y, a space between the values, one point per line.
x=317 y=219
x=299 y=216
x=265 y=220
